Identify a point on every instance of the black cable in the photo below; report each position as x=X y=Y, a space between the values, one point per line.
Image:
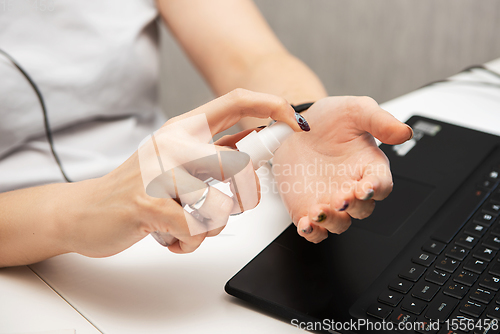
x=464 y=82
x=48 y=132
x=469 y=82
x=302 y=107
x=482 y=67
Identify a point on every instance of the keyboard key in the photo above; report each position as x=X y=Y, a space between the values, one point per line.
x=472 y=308
x=425 y=291
x=400 y=285
x=493 y=312
x=492 y=242
x=494 y=175
x=486 y=184
x=466 y=240
x=455 y=290
x=412 y=272
x=495 y=198
x=475 y=265
x=495 y=230
x=424 y=259
x=425 y=326
x=379 y=311
x=437 y=276
x=460 y=318
x=413 y=305
x=403 y=318
x=475 y=229
x=456 y=252
x=390 y=298
x=482 y=295
x=465 y=277
x=447 y=264
x=495 y=270
x=441 y=307
x=490 y=282
x=491 y=208
x=433 y=247
x=484 y=218
x=484 y=253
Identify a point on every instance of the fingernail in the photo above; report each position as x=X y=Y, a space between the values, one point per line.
x=262 y=127
x=345 y=206
x=302 y=122
x=157 y=236
x=307 y=230
x=321 y=217
x=411 y=130
x=236 y=214
x=369 y=195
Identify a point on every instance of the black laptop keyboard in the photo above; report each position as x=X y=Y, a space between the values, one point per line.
x=456 y=275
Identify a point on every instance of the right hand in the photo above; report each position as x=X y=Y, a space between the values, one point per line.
x=114 y=212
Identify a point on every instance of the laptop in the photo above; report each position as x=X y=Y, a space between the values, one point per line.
x=426 y=261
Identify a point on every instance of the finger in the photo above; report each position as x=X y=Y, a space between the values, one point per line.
x=311 y=232
x=216 y=209
x=231 y=140
x=187 y=239
x=215 y=232
x=346 y=205
x=222 y=165
x=187 y=245
x=174 y=220
x=215 y=205
x=227 y=110
x=245 y=187
x=369 y=117
x=359 y=209
x=330 y=218
x=374 y=186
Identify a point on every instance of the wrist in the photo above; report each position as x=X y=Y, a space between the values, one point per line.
x=71 y=212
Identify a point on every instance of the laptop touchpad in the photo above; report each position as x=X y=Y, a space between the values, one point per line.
x=391 y=213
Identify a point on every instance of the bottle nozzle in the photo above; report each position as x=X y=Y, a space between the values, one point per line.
x=260 y=146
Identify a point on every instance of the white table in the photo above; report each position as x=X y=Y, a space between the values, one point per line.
x=146 y=289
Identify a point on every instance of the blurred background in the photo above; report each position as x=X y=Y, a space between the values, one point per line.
x=382 y=48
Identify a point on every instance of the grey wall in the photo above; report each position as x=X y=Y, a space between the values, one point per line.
x=380 y=48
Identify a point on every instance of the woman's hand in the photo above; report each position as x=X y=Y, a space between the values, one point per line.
x=104 y=216
x=122 y=212
x=336 y=171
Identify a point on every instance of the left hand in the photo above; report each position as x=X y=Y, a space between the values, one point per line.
x=336 y=171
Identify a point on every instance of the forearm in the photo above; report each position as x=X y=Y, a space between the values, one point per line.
x=29 y=230
x=233 y=47
x=280 y=74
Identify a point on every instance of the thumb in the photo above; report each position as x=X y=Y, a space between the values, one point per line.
x=381 y=124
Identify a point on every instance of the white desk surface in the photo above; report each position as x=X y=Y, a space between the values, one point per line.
x=146 y=289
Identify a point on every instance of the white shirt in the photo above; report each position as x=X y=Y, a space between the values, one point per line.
x=96 y=64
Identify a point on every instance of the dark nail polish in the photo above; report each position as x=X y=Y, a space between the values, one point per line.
x=369 y=195
x=345 y=206
x=321 y=217
x=302 y=122
x=307 y=230
x=262 y=127
x=236 y=214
